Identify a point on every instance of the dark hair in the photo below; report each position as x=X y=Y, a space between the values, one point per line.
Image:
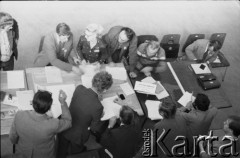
x=129 y=33
x=126 y=115
x=234 y=125
x=42 y=101
x=202 y=102
x=102 y=81
x=63 y=29
x=215 y=44
x=168 y=108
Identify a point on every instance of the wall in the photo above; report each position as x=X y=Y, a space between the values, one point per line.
x=145 y=17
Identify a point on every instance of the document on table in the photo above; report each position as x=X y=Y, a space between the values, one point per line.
x=53 y=74
x=54 y=89
x=127 y=89
x=15 y=79
x=201 y=68
x=148 y=80
x=152 y=108
x=163 y=93
x=110 y=108
x=87 y=80
x=146 y=88
x=25 y=99
x=187 y=97
x=118 y=73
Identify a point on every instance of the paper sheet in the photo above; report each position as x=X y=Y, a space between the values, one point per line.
x=53 y=74
x=12 y=102
x=54 y=89
x=110 y=108
x=152 y=108
x=25 y=99
x=162 y=94
x=87 y=80
x=217 y=60
x=148 y=80
x=15 y=79
x=90 y=69
x=146 y=88
x=198 y=70
x=127 y=89
x=118 y=73
x=187 y=97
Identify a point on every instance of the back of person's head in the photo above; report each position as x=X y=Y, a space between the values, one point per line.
x=126 y=115
x=102 y=81
x=63 y=29
x=42 y=101
x=129 y=32
x=5 y=19
x=202 y=102
x=167 y=109
x=234 y=125
x=215 y=44
x=153 y=45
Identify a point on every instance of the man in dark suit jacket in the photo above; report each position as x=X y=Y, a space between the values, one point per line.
x=122 y=142
x=86 y=110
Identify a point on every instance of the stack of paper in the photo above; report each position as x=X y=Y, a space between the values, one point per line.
x=186 y=98
x=53 y=74
x=144 y=87
x=15 y=79
x=152 y=108
x=25 y=99
x=54 y=89
x=110 y=108
x=118 y=73
x=148 y=80
x=201 y=68
x=163 y=93
x=127 y=89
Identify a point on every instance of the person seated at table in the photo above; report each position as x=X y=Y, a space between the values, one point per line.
x=90 y=46
x=150 y=59
x=9 y=35
x=86 y=110
x=199 y=117
x=58 y=50
x=231 y=130
x=122 y=142
x=34 y=131
x=203 y=50
x=121 y=40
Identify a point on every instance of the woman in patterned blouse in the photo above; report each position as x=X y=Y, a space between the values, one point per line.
x=90 y=46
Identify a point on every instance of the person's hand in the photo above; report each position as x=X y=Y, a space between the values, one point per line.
x=111 y=64
x=112 y=121
x=62 y=97
x=77 y=70
x=132 y=74
x=119 y=101
x=76 y=60
x=189 y=105
x=147 y=70
x=84 y=62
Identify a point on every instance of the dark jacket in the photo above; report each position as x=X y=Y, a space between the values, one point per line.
x=86 y=111
x=111 y=39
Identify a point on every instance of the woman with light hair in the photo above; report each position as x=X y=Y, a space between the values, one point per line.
x=90 y=47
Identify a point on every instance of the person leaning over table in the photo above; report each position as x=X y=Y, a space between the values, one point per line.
x=203 y=50
x=150 y=58
x=9 y=35
x=119 y=40
x=58 y=50
x=231 y=130
x=86 y=110
x=90 y=46
x=34 y=131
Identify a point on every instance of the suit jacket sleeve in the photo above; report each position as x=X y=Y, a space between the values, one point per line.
x=51 y=53
x=79 y=48
x=133 y=53
x=107 y=39
x=190 y=50
x=13 y=135
x=106 y=139
x=65 y=121
x=96 y=123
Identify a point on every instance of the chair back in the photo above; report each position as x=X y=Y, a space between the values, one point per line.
x=170 y=43
x=191 y=38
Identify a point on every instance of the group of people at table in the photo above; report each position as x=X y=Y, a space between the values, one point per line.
x=34 y=131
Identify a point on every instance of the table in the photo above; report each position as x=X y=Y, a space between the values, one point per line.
x=7 y=111
x=37 y=76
